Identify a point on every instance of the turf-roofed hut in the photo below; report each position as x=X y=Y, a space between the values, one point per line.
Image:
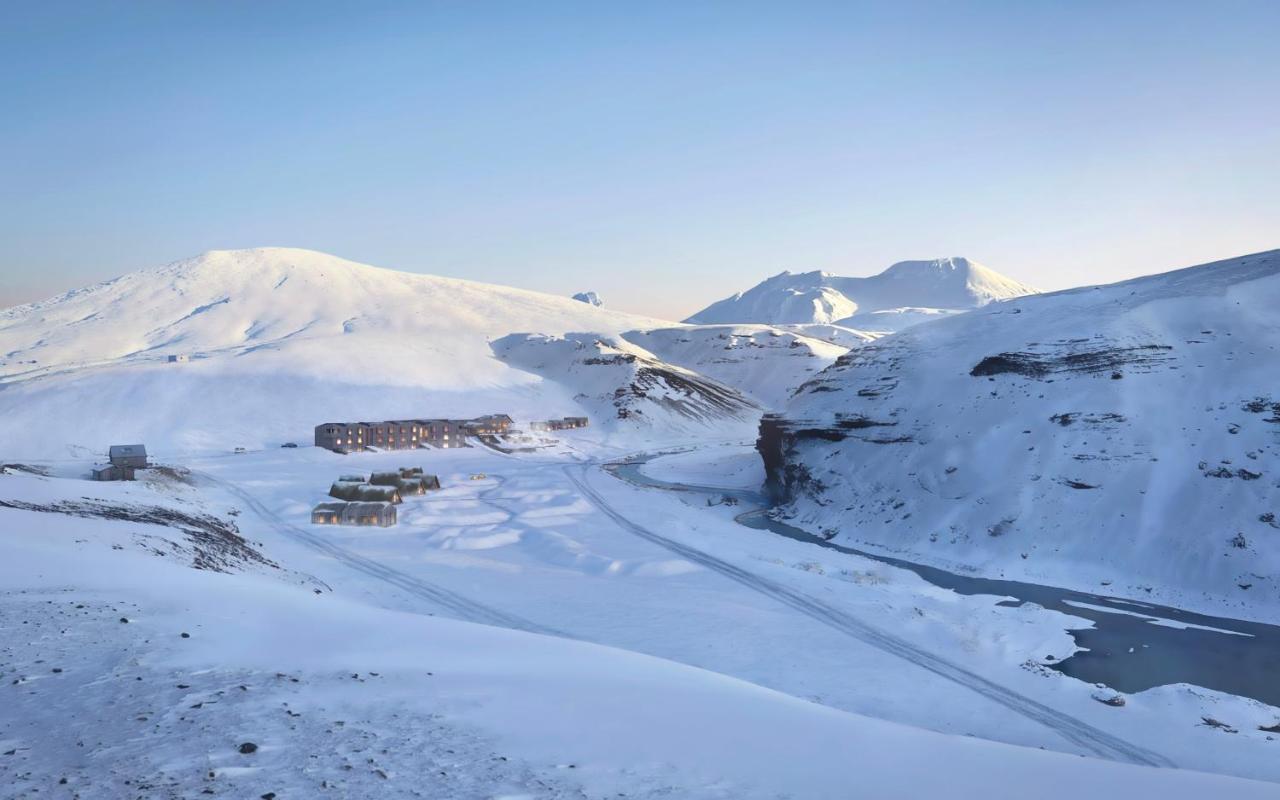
x=364 y=492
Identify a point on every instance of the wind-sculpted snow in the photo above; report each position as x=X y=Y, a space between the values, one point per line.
x=1123 y=433
x=906 y=293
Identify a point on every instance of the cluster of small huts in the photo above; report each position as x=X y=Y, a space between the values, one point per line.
x=123 y=460
x=372 y=500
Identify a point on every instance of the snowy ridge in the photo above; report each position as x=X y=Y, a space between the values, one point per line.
x=302 y=337
x=902 y=295
x=1128 y=432
x=618 y=380
x=763 y=362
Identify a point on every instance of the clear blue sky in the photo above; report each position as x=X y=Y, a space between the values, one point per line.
x=663 y=154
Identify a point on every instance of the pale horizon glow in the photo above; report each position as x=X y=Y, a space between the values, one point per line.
x=664 y=155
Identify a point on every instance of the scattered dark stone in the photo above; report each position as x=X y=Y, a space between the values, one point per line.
x=247 y=748
x=1213 y=723
x=1115 y=376
x=1270 y=728
x=186 y=636
x=268 y=796
x=124 y=620
x=184 y=686
x=56 y=670
x=1077 y=484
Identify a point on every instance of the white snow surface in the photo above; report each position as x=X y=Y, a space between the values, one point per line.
x=336 y=668
x=1127 y=433
x=904 y=294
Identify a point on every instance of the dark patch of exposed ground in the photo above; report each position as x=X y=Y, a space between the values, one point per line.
x=1072 y=359
x=216 y=544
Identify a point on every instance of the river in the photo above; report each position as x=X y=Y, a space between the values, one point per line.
x=1132 y=645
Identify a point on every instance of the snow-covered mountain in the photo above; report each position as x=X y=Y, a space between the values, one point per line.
x=766 y=363
x=1126 y=433
x=617 y=380
x=278 y=340
x=904 y=294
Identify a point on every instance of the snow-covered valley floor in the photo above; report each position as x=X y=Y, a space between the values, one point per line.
x=541 y=630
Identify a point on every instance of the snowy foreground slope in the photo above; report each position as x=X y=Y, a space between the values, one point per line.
x=280 y=340
x=906 y=293
x=1125 y=434
x=151 y=679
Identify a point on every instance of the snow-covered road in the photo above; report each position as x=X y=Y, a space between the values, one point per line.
x=1086 y=736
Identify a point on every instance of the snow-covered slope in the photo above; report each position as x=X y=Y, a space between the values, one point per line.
x=900 y=294
x=1126 y=433
x=128 y=674
x=279 y=340
x=766 y=363
x=620 y=381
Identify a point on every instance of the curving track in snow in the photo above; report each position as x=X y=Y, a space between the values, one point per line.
x=458 y=605
x=1083 y=735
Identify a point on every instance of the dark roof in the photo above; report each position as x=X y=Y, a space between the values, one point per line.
x=127 y=450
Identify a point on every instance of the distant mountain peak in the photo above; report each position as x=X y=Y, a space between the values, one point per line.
x=590 y=298
x=947 y=284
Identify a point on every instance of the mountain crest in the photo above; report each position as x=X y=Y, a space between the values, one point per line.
x=926 y=288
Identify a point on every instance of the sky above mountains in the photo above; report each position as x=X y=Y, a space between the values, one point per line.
x=664 y=155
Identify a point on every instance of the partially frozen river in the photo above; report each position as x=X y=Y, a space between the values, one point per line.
x=1132 y=645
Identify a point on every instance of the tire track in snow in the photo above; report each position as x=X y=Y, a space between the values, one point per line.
x=461 y=606
x=1083 y=735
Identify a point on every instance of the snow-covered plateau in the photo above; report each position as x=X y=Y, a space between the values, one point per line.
x=551 y=625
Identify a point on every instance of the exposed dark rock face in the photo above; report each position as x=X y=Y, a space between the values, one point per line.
x=1070 y=357
x=686 y=394
x=785 y=476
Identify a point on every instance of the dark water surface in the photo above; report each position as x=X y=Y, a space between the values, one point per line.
x=1132 y=645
